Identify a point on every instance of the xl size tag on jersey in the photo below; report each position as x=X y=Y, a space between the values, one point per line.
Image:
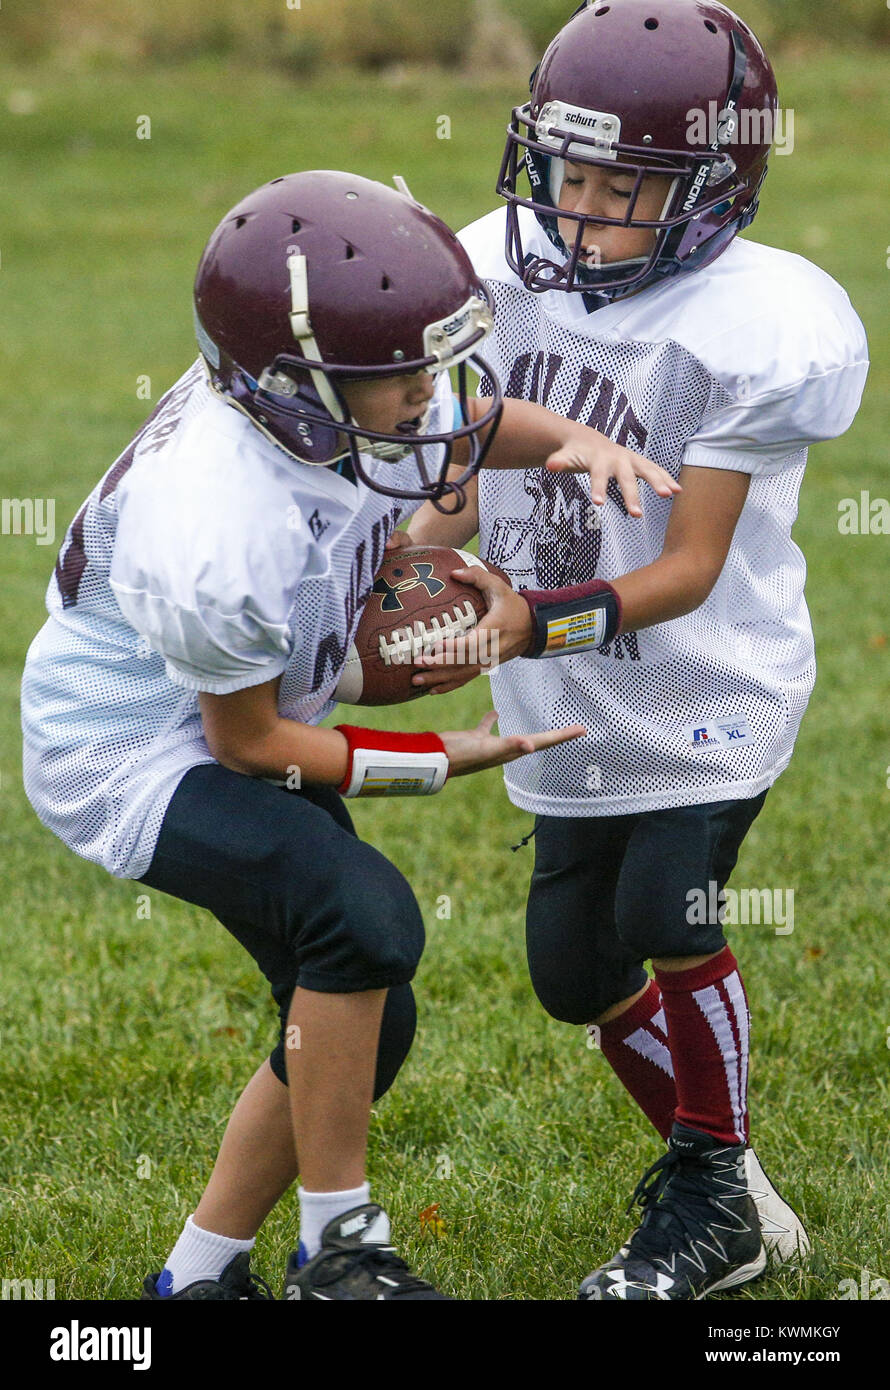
x=719 y=733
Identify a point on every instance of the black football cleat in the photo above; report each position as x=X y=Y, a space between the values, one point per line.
x=700 y=1231
x=355 y=1261
x=237 y=1281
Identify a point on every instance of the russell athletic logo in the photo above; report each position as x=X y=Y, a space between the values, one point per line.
x=719 y=733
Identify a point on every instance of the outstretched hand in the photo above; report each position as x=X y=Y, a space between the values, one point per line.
x=473 y=750
x=602 y=459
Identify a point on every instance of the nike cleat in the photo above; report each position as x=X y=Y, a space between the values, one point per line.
x=356 y=1261
x=237 y=1281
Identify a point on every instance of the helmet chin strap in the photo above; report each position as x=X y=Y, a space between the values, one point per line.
x=301 y=327
x=228 y=399
x=394 y=453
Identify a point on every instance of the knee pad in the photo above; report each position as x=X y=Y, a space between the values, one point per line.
x=573 y=1000
x=366 y=934
x=397 y=1029
x=382 y=925
x=655 y=926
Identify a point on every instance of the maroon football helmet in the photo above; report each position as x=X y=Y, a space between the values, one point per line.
x=322 y=277
x=671 y=87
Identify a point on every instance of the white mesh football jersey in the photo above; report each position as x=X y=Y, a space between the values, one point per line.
x=738 y=366
x=205 y=559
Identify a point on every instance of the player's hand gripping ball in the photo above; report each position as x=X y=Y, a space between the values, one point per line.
x=414 y=604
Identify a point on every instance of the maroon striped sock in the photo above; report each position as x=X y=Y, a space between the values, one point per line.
x=707 y=1020
x=636 y=1047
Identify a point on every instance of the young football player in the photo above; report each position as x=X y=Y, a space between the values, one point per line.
x=202 y=606
x=681 y=640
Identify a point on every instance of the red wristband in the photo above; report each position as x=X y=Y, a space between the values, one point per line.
x=386 y=764
x=580 y=617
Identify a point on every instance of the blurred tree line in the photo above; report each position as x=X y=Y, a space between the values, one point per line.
x=304 y=35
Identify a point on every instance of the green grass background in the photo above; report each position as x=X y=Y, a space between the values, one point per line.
x=122 y=1037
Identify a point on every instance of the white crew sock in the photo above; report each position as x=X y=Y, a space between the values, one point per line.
x=198 y=1254
x=318 y=1208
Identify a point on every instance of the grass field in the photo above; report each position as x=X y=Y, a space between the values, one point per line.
x=124 y=1041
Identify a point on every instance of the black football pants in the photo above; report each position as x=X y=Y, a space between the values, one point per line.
x=609 y=892
x=286 y=874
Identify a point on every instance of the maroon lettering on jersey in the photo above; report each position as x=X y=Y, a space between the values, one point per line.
x=532 y=377
x=69 y=571
x=380 y=534
x=614 y=492
x=331 y=652
x=620 y=647
x=565 y=534
x=610 y=429
x=518 y=377
x=151 y=435
x=632 y=429
x=540 y=393
x=586 y=382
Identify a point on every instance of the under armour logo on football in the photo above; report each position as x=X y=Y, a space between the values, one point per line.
x=390 y=592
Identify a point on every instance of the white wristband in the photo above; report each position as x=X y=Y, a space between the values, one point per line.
x=382 y=773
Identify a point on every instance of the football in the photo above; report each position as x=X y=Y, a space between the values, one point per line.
x=413 y=603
